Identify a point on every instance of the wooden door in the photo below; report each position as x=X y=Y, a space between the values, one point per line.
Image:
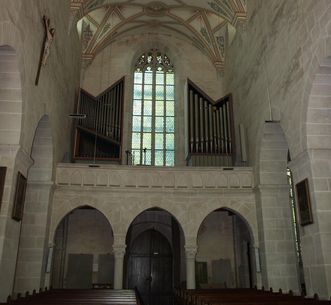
x=150 y=268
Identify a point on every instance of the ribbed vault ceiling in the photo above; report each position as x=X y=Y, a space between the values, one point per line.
x=208 y=24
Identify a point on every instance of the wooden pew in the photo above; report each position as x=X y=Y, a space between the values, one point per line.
x=241 y=297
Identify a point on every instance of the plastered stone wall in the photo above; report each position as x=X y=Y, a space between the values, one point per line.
x=21 y=28
x=271 y=69
x=118 y=60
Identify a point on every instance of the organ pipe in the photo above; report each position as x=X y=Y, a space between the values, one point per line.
x=103 y=122
x=210 y=124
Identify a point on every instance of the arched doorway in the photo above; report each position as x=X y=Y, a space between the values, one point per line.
x=83 y=246
x=155 y=256
x=150 y=267
x=224 y=257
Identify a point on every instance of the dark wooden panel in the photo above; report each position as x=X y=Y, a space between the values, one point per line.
x=79 y=274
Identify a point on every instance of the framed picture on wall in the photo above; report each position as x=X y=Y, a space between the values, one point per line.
x=3 y=171
x=304 y=204
x=19 y=199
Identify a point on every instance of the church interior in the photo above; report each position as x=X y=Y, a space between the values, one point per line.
x=165 y=144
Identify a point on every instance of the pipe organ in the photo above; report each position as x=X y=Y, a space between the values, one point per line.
x=210 y=129
x=99 y=135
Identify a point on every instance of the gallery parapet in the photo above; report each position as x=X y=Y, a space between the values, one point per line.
x=150 y=177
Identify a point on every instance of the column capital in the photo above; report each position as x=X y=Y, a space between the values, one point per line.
x=119 y=250
x=191 y=251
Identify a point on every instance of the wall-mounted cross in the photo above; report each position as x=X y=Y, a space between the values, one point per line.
x=48 y=39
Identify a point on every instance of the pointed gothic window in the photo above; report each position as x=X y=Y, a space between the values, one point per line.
x=153 y=123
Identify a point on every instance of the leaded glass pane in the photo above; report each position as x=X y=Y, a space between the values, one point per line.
x=147 y=107
x=170 y=108
x=170 y=79
x=159 y=158
x=170 y=93
x=148 y=78
x=137 y=92
x=153 y=110
x=137 y=107
x=136 y=156
x=147 y=140
x=146 y=157
x=170 y=158
x=136 y=140
x=159 y=108
x=147 y=127
x=159 y=140
x=159 y=93
x=170 y=124
x=136 y=124
x=159 y=124
x=170 y=143
x=148 y=92
x=159 y=78
x=138 y=78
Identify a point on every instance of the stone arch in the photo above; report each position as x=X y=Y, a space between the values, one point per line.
x=274 y=218
x=245 y=221
x=83 y=233
x=141 y=210
x=225 y=241
x=36 y=206
x=245 y=210
x=70 y=205
x=76 y=208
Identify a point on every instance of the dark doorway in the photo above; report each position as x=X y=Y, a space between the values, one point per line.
x=149 y=268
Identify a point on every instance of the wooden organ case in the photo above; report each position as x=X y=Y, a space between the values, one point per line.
x=99 y=135
x=210 y=129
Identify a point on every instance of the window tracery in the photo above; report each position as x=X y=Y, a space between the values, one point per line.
x=153 y=116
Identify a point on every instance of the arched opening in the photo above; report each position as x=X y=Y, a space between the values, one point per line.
x=83 y=251
x=224 y=257
x=34 y=228
x=280 y=266
x=155 y=257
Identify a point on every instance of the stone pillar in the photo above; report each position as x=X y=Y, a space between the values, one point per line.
x=190 y=252
x=119 y=252
x=314 y=165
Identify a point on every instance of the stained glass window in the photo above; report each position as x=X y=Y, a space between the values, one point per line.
x=153 y=122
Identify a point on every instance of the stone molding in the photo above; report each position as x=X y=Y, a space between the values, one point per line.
x=113 y=176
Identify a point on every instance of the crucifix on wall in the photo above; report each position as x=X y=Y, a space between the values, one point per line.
x=49 y=37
